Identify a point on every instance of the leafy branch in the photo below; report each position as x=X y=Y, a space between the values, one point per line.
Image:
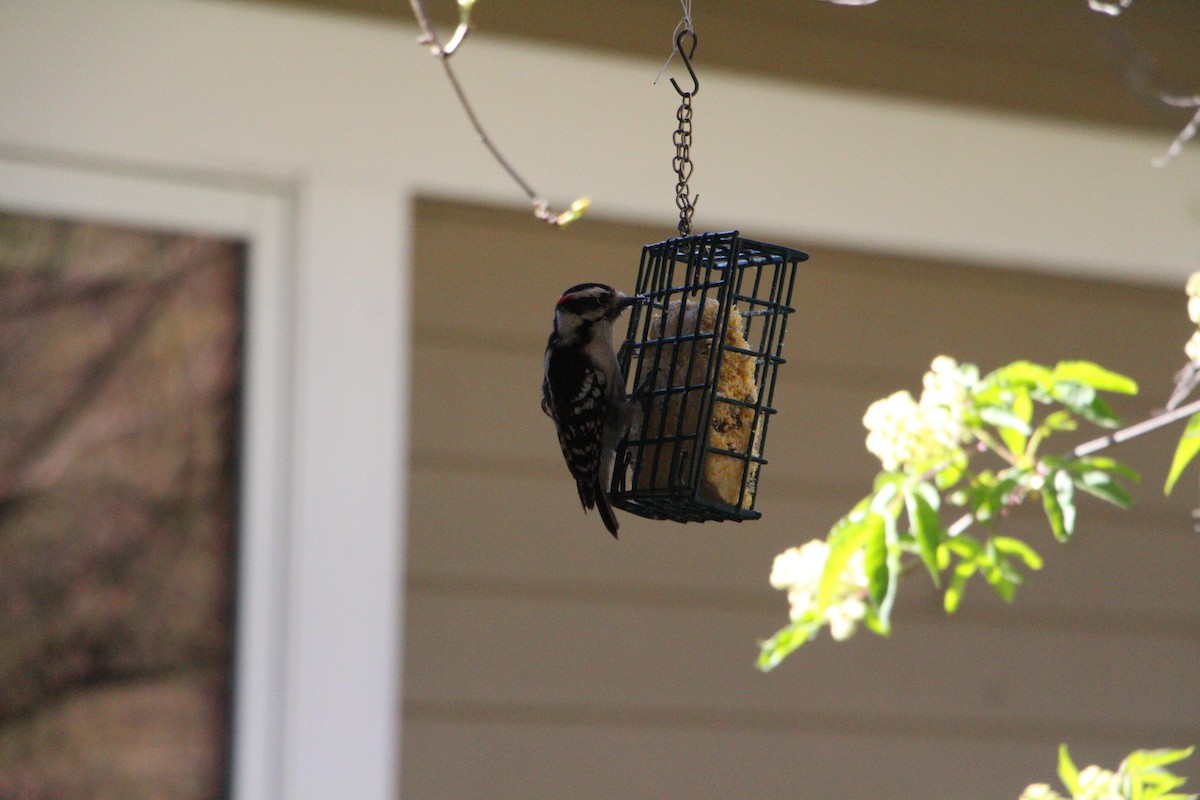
x=929 y=449
x=1143 y=775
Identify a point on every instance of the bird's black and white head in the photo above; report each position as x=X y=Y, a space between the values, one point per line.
x=588 y=307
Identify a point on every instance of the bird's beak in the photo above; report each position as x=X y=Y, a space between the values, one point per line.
x=627 y=300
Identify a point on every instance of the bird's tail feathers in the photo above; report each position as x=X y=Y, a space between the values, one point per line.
x=606 y=513
x=592 y=496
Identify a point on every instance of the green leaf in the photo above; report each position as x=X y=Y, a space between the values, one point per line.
x=964 y=547
x=1082 y=400
x=1099 y=413
x=1095 y=376
x=952 y=473
x=971 y=554
x=954 y=592
x=1099 y=483
x=1145 y=775
x=999 y=572
x=943 y=557
x=1150 y=763
x=1156 y=785
x=890 y=481
x=1103 y=463
x=1067 y=771
x=1162 y=757
x=1003 y=583
x=785 y=641
x=875 y=564
x=1094 y=474
x=1074 y=396
x=1185 y=451
x=1064 y=488
x=883 y=606
x=926 y=527
x=990 y=493
x=851 y=534
x=1060 y=420
x=1058 y=500
x=871 y=620
x=1024 y=373
x=881 y=552
x=1004 y=418
x=1054 y=514
x=1014 y=438
x=1015 y=547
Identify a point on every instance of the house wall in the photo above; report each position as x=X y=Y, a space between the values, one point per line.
x=341 y=125
x=544 y=659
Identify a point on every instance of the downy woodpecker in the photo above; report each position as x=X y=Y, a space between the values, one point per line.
x=583 y=390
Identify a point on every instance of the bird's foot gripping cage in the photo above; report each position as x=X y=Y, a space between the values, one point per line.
x=700 y=360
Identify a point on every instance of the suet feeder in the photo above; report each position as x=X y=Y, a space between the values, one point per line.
x=700 y=359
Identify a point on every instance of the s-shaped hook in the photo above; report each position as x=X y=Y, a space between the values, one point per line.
x=687 y=62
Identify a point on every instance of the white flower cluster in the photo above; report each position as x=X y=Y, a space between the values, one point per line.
x=1094 y=784
x=798 y=570
x=906 y=434
x=1192 y=348
x=1098 y=784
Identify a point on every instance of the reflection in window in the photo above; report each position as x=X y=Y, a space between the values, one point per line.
x=119 y=380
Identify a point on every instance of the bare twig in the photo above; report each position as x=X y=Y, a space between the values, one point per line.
x=1114 y=8
x=541 y=208
x=1133 y=431
x=1144 y=78
x=428 y=35
x=1185 y=135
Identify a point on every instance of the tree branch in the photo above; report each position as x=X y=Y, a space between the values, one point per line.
x=541 y=208
x=1095 y=445
x=1133 y=431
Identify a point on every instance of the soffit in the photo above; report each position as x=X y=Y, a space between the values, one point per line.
x=1049 y=59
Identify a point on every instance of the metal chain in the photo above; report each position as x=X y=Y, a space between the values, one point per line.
x=682 y=164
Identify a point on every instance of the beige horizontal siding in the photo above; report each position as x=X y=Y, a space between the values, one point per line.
x=493 y=398
x=519 y=530
x=556 y=753
x=545 y=650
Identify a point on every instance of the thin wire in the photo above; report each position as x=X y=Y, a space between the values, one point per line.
x=684 y=24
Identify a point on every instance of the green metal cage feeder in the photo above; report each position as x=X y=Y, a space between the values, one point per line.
x=700 y=358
